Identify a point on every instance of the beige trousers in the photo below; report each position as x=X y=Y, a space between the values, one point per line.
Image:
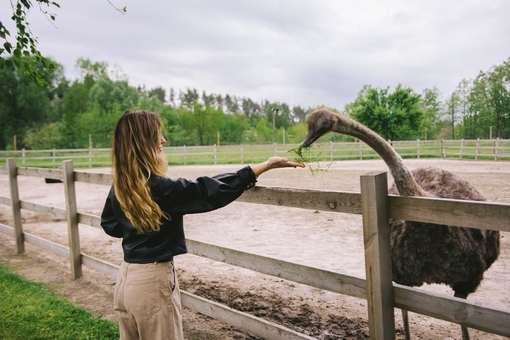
x=147 y=302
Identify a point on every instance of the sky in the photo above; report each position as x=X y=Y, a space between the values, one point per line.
x=299 y=52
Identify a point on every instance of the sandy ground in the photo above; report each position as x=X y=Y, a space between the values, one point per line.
x=330 y=241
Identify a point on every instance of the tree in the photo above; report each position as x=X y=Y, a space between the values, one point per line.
x=172 y=96
x=489 y=103
x=158 y=93
x=432 y=111
x=233 y=128
x=452 y=110
x=231 y=104
x=106 y=94
x=24 y=104
x=188 y=98
x=26 y=43
x=463 y=89
x=394 y=116
x=298 y=113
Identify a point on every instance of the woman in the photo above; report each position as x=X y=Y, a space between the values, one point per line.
x=145 y=208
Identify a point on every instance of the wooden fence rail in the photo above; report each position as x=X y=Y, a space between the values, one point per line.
x=373 y=203
x=480 y=149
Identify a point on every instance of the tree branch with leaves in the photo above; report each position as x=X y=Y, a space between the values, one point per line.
x=23 y=52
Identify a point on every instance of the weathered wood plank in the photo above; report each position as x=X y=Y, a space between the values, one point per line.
x=6 y=229
x=89 y=219
x=244 y=321
x=484 y=318
x=310 y=276
x=336 y=201
x=40 y=172
x=48 y=245
x=100 y=265
x=5 y=200
x=93 y=178
x=53 y=212
x=483 y=215
x=376 y=235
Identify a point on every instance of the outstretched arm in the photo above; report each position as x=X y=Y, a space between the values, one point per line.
x=274 y=163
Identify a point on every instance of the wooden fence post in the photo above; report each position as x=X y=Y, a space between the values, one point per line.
x=443 y=155
x=418 y=148
x=72 y=219
x=16 y=205
x=360 y=147
x=242 y=154
x=215 y=154
x=90 y=151
x=376 y=235
x=496 y=149
x=477 y=148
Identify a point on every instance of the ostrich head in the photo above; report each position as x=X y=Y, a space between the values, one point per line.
x=323 y=121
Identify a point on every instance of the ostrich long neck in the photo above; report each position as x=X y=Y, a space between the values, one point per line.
x=403 y=178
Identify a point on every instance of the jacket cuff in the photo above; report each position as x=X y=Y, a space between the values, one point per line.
x=247 y=177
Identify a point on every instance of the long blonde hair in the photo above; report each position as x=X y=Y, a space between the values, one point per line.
x=135 y=158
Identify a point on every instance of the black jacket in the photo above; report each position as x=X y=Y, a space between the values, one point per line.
x=177 y=198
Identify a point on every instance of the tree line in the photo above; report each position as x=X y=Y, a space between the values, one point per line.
x=63 y=114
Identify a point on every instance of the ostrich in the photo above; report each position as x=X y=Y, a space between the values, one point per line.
x=422 y=252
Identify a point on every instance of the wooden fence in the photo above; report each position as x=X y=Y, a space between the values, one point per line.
x=487 y=149
x=373 y=203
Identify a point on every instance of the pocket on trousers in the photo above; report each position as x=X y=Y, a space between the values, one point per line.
x=171 y=275
x=144 y=297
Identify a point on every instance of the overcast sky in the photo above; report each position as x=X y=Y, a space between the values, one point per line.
x=301 y=52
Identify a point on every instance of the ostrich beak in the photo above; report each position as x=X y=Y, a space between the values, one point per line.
x=310 y=138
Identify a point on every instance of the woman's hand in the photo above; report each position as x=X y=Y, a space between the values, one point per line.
x=275 y=163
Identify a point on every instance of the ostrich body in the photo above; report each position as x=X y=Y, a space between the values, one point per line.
x=422 y=252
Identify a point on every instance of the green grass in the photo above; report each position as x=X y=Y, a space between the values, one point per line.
x=29 y=311
x=249 y=154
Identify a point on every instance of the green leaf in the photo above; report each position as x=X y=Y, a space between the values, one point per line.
x=8 y=47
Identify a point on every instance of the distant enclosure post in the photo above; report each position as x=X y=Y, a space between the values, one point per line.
x=90 y=151
x=72 y=219
x=215 y=154
x=376 y=235
x=16 y=205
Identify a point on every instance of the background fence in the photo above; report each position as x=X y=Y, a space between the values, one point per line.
x=480 y=149
x=373 y=203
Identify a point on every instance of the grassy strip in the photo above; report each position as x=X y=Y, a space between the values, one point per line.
x=29 y=311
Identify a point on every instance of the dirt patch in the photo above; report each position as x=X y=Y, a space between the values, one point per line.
x=329 y=241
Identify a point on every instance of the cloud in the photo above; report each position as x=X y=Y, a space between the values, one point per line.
x=300 y=52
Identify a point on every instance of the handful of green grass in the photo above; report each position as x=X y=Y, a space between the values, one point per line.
x=311 y=158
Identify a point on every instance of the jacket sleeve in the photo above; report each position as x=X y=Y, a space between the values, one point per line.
x=108 y=220
x=206 y=193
